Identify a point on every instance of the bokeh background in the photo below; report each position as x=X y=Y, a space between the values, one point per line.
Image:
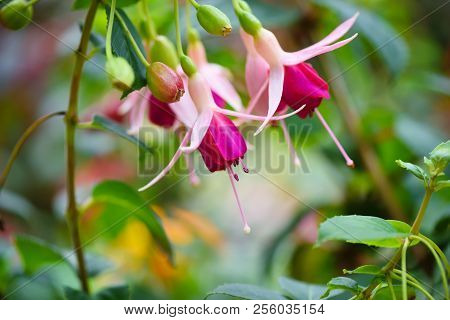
x=392 y=102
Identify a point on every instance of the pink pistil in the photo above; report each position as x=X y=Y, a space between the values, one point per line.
x=287 y=137
x=348 y=161
x=244 y=220
x=193 y=177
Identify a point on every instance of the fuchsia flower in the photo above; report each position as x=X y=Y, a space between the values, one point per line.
x=214 y=135
x=278 y=79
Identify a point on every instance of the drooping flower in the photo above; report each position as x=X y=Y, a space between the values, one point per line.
x=277 y=79
x=214 y=135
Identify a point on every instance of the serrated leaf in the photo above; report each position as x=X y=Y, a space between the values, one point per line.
x=342 y=283
x=36 y=253
x=384 y=39
x=366 y=230
x=246 y=292
x=105 y=124
x=414 y=169
x=122 y=47
x=127 y=199
x=120 y=292
x=367 y=269
x=299 y=290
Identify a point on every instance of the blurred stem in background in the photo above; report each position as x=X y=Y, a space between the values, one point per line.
x=353 y=123
x=71 y=122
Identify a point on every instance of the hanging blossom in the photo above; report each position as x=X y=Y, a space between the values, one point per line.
x=214 y=135
x=277 y=79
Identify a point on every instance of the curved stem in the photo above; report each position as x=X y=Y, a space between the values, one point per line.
x=109 y=30
x=414 y=284
x=423 y=208
x=438 y=261
x=439 y=252
x=71 y=122
x=194 y=4
x=391 y=287
x=149 y=22
x=133 y=42
x=28 y=132
x=404 y=283
x=177 y=29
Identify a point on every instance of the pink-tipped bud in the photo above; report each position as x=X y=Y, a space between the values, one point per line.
x=164 y=83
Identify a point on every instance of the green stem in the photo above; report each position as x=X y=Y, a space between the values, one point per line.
x=404 y=283
x=194 y=4
x=71 y=122
x=110 y=27
x=28 y=132
x=391 y=287
x=423 y=208
x=439 y=252
x=177 y=29
x=237 y=7
x=133 y=42
x=415 y=285
x=438 y=261
x=149 y=22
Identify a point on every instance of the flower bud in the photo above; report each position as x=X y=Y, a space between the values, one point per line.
x=164 y=83
x=119 y=72
x=188 y=65
x=16 y=14
x=164 y=51
x=249 y=23
x=213 y=20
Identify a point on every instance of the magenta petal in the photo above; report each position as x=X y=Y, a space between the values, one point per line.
x=222 y=145
x=218 y=100
x=303 y=85
x=160 y=113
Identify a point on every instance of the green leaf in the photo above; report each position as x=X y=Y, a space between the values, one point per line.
x=105 y=124
x=299 y=290
x=442 y=185
x=246 y=292
x=366 y=230
x=120 y=292
x=415 y=170
x=36 y=254
x=342 y=283
x=4 y=3
x=74 y=294
x=384 y=293
x=129 y=200
x=122 y=47
x=384 y=39
x=440 y=156
x=367 y=269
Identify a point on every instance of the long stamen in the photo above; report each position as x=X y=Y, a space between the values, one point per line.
x=235 y=176
x=244 y=166
x=193 y=177
x=247 y=228
x=348 y=161
x=287 y=137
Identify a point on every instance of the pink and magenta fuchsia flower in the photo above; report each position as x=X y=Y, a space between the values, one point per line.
x=277 y=79
x=212 y=133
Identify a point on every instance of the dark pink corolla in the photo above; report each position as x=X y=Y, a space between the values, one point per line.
x=160 y=113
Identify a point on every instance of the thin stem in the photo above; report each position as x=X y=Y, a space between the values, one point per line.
x=391 y=287
x=18 y=146
x=439 y=252
x=110 y=27
x=194 y=4
x=415 y=285
x=187 y=12
x=423 y=207
x=177 y=29
x=133 y=42
x=438 y=261
x=404 y=283
x=149 y=22
x=71 y=122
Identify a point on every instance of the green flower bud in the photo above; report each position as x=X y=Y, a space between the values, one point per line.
x=193 y=35
x=244 y=6
x=120 y=73
x=164 y=51
x=16 y=15
x=213 y=20
x=249 y=23
x=188 y=65
x=164 y=83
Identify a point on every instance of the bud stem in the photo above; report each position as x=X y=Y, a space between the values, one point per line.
x=109 y=31
x=150 y=25
x=194 y=4
x=177 y=29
